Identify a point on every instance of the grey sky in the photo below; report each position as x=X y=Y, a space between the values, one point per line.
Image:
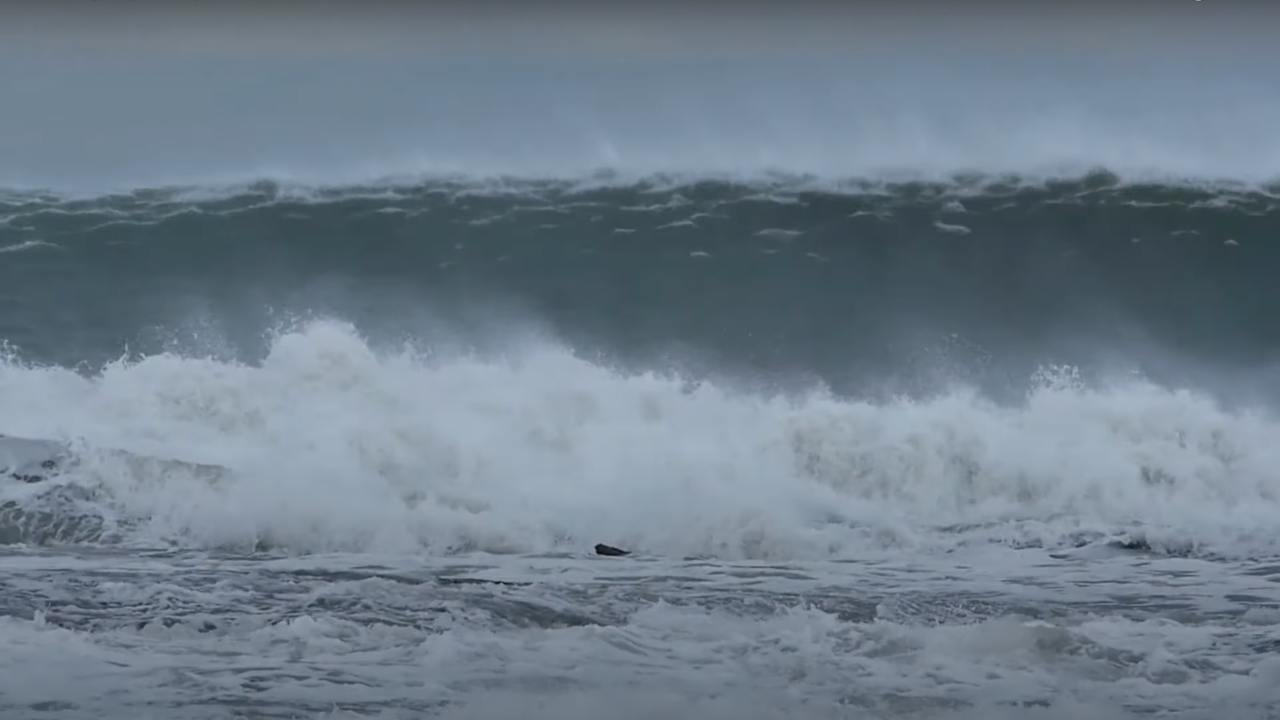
x=111 y=94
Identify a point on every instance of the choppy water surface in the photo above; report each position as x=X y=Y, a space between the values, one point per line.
x=1104 y=633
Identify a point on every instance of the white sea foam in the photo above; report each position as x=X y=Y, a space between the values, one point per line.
x=952 y=228
x=779 y=233
x=781 y=662
x=27 y=245
x=335 y=446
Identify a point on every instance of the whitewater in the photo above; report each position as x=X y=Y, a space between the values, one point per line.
x=396 y=533
x=332 y=446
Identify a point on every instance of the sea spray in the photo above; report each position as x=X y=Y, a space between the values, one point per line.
x=332 y=445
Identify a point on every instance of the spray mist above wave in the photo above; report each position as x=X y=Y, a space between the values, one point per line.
x=1082 y=182
x=332 y=445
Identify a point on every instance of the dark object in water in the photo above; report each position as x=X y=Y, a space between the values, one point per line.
x=609 y=550
x=479 y=581
x=30 y=461
x=35 y=477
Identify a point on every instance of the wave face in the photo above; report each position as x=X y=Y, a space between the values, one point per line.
x=766 y=370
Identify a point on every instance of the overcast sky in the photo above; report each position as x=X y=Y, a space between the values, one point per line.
x=117 y=94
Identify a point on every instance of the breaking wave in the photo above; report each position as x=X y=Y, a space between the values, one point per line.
x=331 y=444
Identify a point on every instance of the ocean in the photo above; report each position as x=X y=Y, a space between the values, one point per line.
x=973 y=447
